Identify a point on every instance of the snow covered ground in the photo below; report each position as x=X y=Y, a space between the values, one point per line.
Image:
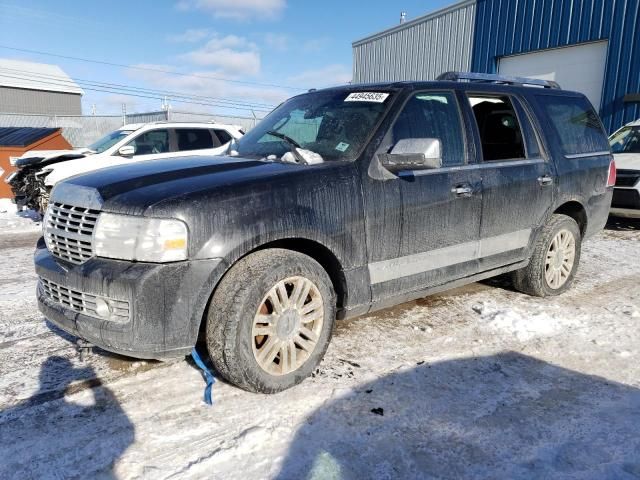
x=479 y=382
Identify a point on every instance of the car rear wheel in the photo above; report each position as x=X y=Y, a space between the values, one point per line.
x=554 y=261
x=270 y=320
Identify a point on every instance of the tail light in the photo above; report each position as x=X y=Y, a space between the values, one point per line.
x=612 y=173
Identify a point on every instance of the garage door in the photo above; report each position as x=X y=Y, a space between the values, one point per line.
x=579 y=67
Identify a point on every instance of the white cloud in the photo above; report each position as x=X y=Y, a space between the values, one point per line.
x=230 y=55
x=335 y=74
x=236 y=9
x=207 y=83
x=191 y=35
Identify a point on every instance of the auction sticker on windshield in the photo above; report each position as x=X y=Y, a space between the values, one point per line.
x=377 y=97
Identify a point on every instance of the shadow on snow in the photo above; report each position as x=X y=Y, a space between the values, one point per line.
x=503 y=416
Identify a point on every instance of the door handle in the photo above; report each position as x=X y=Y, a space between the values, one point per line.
x=462 y=191
x=545 y=180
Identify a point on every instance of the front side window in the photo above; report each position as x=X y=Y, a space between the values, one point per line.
x=334 y=124
x=575 y=123
x=193 y=139
x=153 y=141
x=498 y=126
x=627 y=140
x=433 y=115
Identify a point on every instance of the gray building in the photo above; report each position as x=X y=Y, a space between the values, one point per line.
x=37 y=88
x=420 y=49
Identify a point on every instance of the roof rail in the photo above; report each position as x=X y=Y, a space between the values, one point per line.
x=486 y=77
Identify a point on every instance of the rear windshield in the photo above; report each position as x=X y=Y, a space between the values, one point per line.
x=575 y=123
x=626 y=140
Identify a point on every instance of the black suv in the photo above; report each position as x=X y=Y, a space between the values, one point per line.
x=340 y=202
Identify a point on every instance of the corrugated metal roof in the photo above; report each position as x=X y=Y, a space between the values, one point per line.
x=23 y=136
x=36 y=76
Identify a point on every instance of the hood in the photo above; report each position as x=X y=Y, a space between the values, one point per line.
x=627 y=161
x=47 y=157
x=134 y=187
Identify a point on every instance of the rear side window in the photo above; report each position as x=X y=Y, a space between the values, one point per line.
x=193 y=139
x=575 y=123
x=433 y=115
x=499 y=128
x=222 y=135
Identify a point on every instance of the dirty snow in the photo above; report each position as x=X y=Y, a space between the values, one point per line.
x=478 y=382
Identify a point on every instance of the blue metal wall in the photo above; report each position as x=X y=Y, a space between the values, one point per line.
x=507 y=27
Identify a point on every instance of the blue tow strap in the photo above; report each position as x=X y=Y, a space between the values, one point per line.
x=208 y=376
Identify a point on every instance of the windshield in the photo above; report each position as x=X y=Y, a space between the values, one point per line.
x=332 y=124
x=108 y=141
x=626 y=140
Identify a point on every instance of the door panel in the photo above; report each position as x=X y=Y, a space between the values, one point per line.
x=439 y=232
x=515 y=202
x=423 y=226
x=517 y=183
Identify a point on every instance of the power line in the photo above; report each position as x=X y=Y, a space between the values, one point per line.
x=149 y=69
x=129 y=94
x=66 y=81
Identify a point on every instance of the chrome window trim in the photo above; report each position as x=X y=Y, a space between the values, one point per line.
x=587 y=155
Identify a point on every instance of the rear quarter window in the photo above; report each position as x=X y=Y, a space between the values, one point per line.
x=575 y=123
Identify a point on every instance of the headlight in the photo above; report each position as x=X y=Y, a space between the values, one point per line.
x=139 y=238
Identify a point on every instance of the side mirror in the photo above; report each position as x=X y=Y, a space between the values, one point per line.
x=127 y=151
x=413 y=154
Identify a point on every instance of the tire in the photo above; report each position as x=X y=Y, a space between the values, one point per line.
x=247 y=324
x=534 y=279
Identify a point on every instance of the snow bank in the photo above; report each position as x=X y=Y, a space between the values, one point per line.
x=14 y=221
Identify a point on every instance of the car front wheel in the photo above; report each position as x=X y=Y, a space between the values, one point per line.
x=270 y=320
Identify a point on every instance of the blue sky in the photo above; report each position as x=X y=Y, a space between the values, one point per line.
x=290 y=45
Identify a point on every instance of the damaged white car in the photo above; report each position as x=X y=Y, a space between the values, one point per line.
x=39 y=171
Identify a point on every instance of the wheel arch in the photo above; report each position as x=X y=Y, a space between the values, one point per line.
x=575 y=210
x=312 y=248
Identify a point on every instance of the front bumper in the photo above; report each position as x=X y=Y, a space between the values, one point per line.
x=166 y=302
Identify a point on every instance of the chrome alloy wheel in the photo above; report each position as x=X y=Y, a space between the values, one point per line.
x=287 y=325
x=560 y=258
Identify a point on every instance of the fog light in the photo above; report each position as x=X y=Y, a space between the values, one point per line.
x=103 y=308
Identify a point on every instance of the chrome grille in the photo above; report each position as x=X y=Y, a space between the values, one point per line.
x=69 y=231
x=84 y=302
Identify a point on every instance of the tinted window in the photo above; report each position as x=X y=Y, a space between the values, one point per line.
x=193 y=139
x=433 y=115
x=498 y=127
x=530 y=137
x=153 y=141
x=576 y=125
x=626 y=140
x=223 y=136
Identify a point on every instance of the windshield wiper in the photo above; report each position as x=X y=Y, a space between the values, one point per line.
x=286 y=138
x=293 y=145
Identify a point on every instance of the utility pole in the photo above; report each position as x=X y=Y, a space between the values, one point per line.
x=124 y=114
